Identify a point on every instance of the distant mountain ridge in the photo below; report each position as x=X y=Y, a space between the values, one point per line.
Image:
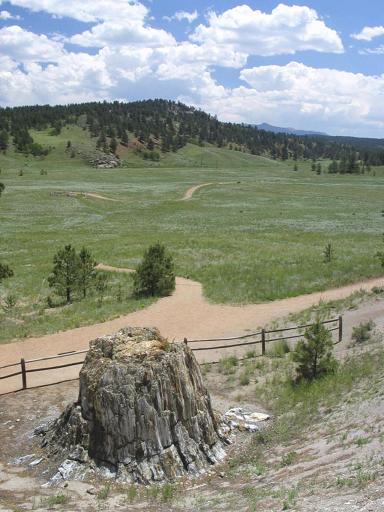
x=278 y=129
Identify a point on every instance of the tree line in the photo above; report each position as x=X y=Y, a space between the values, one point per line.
x=162 y=125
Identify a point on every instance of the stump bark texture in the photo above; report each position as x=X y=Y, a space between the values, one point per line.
x=143 y=411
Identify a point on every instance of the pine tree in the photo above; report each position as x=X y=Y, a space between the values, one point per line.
x=2 y=188
x=87 y=272
x=124 y=138
x=155 y=275
x=65 y=273
x=113 y=145
x=4 y=137
x=314 y=355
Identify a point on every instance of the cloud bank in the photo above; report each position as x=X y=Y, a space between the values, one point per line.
x=132 y=59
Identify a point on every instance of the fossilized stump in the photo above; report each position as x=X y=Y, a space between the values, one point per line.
x=143 y=410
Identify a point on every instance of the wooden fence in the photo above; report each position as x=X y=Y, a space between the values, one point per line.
x=262 y=338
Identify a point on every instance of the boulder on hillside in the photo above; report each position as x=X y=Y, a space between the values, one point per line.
x=105 y=161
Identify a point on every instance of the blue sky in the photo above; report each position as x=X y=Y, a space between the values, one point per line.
x=315 y=64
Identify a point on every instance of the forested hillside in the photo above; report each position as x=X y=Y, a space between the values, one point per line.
x=154 y=127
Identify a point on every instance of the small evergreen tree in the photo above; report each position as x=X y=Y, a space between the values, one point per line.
x=328 y=253
x=5 y=272
x=113 y=145
x=2 y=188
x=124 y=138
x=65 y=273
x=314 y=355
x=87 y=272
x=155 y=274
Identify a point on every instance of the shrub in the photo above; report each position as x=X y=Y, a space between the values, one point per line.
x=228 y=365
x=244 y=378
x=279 y=349
x=328 y=253
x=288 y=459
x=9 y=302
x=155 y=275
x=104 y=492
x=363 y=331
x=314 y=355
x=58 y=499
x=5 y=272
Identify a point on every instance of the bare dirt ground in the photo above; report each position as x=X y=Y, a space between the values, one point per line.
x=185 y=314
x=335 y=465
x=88 y=194
x=189 y=193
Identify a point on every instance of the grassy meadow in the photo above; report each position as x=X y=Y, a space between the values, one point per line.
x=257 y=238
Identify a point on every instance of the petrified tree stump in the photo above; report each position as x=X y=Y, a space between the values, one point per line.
x=143 y=410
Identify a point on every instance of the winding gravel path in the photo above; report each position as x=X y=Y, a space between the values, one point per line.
x=184 y=314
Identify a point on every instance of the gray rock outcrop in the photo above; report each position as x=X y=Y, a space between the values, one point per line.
x=143 y=411
x=105 y=161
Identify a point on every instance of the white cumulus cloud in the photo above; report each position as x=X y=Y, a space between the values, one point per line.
x=6 y=15
x=117 y=33
x=135 y=60
x=87 y=10
x=183 y=15
x=369 y=33
x=318 y=98
x=286 y=30
x=22 y=45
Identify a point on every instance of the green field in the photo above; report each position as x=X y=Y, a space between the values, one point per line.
x=258 y=239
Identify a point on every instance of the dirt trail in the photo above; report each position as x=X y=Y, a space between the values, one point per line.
x=87 y=194
x=184 y=314
x=189 y=193
x=98 y=196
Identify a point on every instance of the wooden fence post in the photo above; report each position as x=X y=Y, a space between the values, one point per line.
x=23 y=373
x=263 y=342
x=186 y=341
x=340 y=328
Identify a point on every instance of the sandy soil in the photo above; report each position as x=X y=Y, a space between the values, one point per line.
x=337 y=464
x=88 y=194
x=98 y=196
x=189 y=193
x=185 y=314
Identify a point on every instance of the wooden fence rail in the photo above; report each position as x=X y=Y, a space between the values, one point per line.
x=264 y=339
x=261 y=335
